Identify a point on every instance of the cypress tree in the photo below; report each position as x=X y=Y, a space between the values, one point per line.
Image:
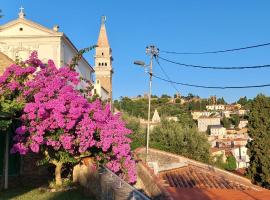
x=259 y=146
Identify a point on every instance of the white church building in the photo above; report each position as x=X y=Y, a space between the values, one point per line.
x=18 y=38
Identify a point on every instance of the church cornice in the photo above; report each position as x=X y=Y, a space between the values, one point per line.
x=30 y=23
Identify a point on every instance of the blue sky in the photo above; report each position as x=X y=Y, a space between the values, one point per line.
x=172 y=25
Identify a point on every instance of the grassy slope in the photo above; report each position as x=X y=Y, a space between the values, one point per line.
x=37 y=194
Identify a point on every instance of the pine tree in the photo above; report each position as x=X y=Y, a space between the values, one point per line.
x=230 y=163
x=259 y=146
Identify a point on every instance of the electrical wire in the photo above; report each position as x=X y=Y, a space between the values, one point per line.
x=219 y=51
x=211 y=87
x=215 y=68
x=164 y=72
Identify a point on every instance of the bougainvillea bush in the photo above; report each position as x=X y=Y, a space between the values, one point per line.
x=61 y=123
x=11 y=87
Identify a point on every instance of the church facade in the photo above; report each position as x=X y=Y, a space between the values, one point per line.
x=20 y=37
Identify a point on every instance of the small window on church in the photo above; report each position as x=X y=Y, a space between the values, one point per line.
x=21 y=29
x=95 y=91
x=99 y=64
x=105 y=64
x=97 y=81
x=102 y=53
x=102 y=64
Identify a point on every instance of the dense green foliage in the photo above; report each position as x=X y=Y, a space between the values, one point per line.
x=244 y=102
x=226 y=122
x=221 y=101
x=197 y=105
x=139 y=133
x=233 y=120
x=179 y=137
x=230 y=163
x=259 y=146
x=139 y=108
x=175 y=138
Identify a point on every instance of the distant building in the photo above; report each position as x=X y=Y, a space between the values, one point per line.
x=204 y=122
x=241 y=112
x=101 y=91
x=234 y=131
x=243 y=124
x=215 y=107
x=196 y=114
x=217 y=130
x=156 y=118
x=233 y=107
x=172 y=119
x=226 y=113
x=215 y=152
x=154 y=122
x=241 y=156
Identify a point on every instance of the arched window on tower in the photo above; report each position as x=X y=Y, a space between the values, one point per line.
x=102 y=64
x=105 y=64
x=99 y=64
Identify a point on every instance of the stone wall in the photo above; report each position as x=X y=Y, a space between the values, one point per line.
x=105 y=185
x=149 y=183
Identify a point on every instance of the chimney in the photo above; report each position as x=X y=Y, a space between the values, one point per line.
x=55 y=28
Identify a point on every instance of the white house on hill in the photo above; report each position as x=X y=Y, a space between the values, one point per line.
x=204 y=122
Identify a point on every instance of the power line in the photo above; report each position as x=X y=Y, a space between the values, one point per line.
x=216 y=68
x=219 y=51
x=211 y=87
x=164 y=72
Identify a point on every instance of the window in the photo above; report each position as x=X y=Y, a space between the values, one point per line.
x=21 y=29
x=97 y=81
x=105 y=64
x=102 y=64
x=102 y=53
x=99 y=64
x=95 y=91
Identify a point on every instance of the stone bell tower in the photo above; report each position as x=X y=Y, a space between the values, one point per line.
x=103 y=62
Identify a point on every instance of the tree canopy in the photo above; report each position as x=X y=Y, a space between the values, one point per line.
x=176 y=138
x=259 y=146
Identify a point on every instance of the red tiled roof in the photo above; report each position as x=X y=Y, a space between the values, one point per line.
x=217 y=194
x=192 y=183
x=198 y=181
x=194 y=177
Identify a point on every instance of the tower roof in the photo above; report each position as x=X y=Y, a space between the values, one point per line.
x=102 y=38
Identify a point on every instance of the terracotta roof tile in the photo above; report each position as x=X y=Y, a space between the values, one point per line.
x=192 y=182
